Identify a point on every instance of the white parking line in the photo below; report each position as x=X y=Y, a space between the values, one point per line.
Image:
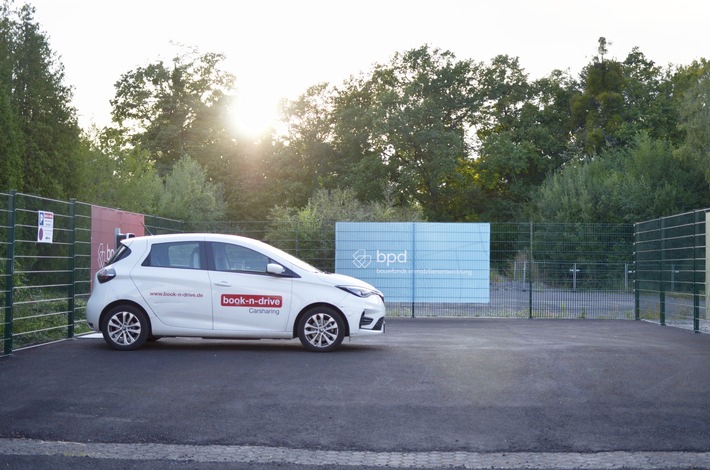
x=282 y=455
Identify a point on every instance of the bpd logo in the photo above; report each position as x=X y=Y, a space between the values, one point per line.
x=392 y=257
x=362 y=260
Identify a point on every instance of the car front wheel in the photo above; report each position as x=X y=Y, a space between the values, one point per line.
x=125 y=328
x=321 y=329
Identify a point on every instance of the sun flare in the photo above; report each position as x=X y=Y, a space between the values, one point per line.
x=254 y=116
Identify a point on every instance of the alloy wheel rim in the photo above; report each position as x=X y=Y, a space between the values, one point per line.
x=124 y=328
x=321 y=330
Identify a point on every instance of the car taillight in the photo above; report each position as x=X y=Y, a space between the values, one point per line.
x=105 y=275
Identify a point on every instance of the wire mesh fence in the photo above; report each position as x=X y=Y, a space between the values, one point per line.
x=671 y=268
x=536 y=270
x=45 y=268
x=653 y=270
x=40 y=277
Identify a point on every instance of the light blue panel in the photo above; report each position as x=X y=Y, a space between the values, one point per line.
x=378 y=253
x=417 y=262
x=452 y=262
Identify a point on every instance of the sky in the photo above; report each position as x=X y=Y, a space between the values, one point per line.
x=279 y=48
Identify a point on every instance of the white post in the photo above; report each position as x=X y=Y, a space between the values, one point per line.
x=574 y=276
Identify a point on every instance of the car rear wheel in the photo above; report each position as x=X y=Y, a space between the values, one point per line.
x=321 y=329
x=125 y=328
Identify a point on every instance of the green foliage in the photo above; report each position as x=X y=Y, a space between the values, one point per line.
x=172 y=110
x=622 y=186
x=523 y=132
x=458 y=140
x=305 y=160
x=310 y=232
x=403 y=126
x=188 y=195
x=695 y=122
x=423 y=103
x=597 y=109
x=37 y=124
x=119 y=175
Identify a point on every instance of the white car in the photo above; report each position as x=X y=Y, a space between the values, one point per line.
x=226 y=286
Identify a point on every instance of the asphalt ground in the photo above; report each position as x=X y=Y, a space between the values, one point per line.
x=429 y=393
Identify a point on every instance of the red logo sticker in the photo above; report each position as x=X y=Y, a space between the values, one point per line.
x=244 y=300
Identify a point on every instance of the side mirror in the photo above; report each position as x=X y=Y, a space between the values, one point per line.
x=274 y=268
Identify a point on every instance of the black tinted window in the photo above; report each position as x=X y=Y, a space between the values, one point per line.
x=122 y=252
x=185 y=255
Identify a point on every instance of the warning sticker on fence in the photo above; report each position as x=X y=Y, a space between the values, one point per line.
x=45 y=226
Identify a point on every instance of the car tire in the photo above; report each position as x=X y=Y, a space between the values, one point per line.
x=125 y=328
x=321 y=329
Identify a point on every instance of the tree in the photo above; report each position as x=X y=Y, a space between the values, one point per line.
x=177 y=109
x=523 y=132
x=624 y=185
x=305 y=160
x=597 y=109
x=418 y=110
x=695 y=123
x=37 y=118
x=119 y=175
x=10 y=135
x=648 y=101
x=189 y=196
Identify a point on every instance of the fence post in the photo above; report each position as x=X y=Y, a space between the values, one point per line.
x=707 y=266
x=662 y=280
x=530 y=275
x=414 y=267
x=637 y=297
x=10 y=274
x=297 y=226
x=72 y=266
x=696 y=294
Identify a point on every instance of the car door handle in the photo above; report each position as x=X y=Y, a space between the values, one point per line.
x=223 y=284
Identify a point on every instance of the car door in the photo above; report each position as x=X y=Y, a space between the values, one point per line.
x=245 y=297
x=175 y=285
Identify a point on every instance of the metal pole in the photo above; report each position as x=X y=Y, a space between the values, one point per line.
x=626 y=277
x=10 y=273
x=530 y=286
x=662 y=286
x=72 y=267
x=696 y=294
x=637 y=298
x=414 y=266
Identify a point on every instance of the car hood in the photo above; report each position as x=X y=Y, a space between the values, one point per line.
x=342 y=280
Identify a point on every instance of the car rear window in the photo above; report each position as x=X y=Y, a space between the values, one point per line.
x=122 y=252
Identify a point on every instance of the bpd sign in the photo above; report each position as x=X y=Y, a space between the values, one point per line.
x=417 y=262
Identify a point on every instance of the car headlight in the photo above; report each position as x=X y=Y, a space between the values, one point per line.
x=362 y=291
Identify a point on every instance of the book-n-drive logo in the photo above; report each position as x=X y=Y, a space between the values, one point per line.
x=244 y=300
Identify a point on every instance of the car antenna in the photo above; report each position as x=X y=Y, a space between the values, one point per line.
x=146 y=229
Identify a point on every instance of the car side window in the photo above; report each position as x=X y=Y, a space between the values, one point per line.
x=182 y=255
x=236 y=258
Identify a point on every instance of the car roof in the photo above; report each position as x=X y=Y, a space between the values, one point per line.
x=212 y=237
x=177 y=237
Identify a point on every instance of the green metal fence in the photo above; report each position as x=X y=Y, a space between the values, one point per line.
x=41 y=286
x=653 y=270
x=45 y=286
x=670 y=260
x=537 y=270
